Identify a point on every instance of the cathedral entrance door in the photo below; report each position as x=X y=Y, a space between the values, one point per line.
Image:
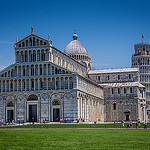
x=56 y=113
x=33 y=113
x=10 y=115
x=127 y=117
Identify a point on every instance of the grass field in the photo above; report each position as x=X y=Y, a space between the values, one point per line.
x=53 y=138
x=110 y=125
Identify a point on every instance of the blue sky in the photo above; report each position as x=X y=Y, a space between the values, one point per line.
x=108 y=29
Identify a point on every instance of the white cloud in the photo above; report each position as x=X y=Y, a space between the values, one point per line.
x=5 y=42
x=2 y=67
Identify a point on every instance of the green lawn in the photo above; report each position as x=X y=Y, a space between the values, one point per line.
x=36 y=138
x=110 y=125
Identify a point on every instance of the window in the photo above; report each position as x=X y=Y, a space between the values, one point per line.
x=108 y=77
x=129 y=76
x=125 y=90
x=99 y=78
x=40 y=71
x=32 y=97
x=41 y=84
x=112 y=91
x=114 y=105
x=10 y=104
x=118 y=77
x=130 y=90
x=32 y=84
x=118 y=91
x=56 y=102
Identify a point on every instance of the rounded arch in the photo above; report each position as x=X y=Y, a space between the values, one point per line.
x=68 y=96
x=10 y=97
x=32 y=97
x=44 y=96
x=10 y=104
x=56 y=102
x=55 y=96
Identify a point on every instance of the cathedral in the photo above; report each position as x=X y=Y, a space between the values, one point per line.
x=45 y=83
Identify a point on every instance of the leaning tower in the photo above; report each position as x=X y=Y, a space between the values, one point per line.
x=141 y=59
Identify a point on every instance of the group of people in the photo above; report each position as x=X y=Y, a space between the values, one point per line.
x=129 y=124
x=8 y=122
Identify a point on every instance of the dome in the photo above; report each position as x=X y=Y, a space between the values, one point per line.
x=75 y=47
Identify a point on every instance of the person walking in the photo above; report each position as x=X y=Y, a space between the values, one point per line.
x=138 y=123
x=145 y=125
x=131 y=124
x=122 y=123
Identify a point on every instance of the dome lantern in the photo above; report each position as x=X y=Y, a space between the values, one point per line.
x=75 y=36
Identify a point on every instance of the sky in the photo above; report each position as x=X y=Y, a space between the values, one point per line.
x=108 y=29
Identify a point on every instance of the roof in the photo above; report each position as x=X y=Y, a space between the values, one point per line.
x=32 y=34
x=123 y=70
x=124 y=84
x=75 y=47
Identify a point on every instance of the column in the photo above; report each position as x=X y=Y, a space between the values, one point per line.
x=85 y=117
x=55 y=83
x=88 y=110
x=64 y=82
x=43 y=83
x=21 y=71
x=9 y=85
x=25 y=84
x=13 y=85
x=17 y=84
x=4 y=110
x=81 y=107
x=34 y=84
x=68 y=83
x=2 y=86
x=79 y=116
x=38 y=84
x=5 y=85
x=25 y=70
x=54 y=70
x=36 y=55
x=46 y=69
x=59 y=82
x=21 y=84
x=29 y=84
x=24 y=55
x=38 y=70
x=40 y=56
x=49 y=55
x=50 y=69
x=42 y=69
x=15 y=112
x=34 y=70
x=28 y=56
x=29 y=70
x=47 y=83
x=17 y=71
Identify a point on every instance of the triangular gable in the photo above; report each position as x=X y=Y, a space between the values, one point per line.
x=33 y=35
x=9 y=68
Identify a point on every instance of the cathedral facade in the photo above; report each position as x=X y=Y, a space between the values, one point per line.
x=45 y=83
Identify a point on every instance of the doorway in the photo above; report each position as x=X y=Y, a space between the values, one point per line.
x=33 y=113
x=56 y=113
x=127 y=117
x=10 y=115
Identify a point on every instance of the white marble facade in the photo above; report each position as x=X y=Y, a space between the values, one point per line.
x=46 y=83
x=124 y=95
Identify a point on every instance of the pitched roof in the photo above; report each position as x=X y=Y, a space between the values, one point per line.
x=31 y=34
x=124 y=84
x=123 y=70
